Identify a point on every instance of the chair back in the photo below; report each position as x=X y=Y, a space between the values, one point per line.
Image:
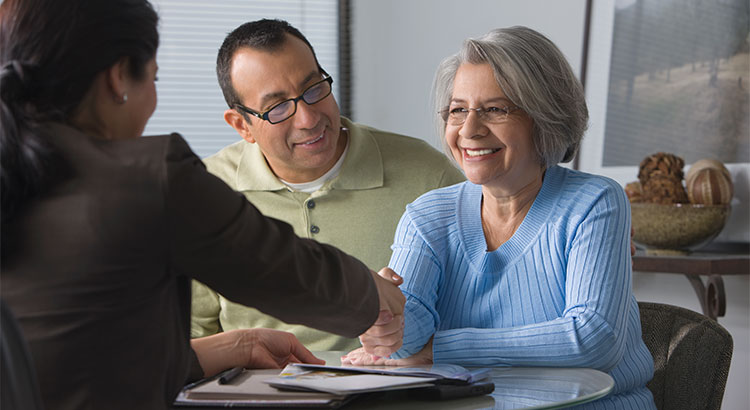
x=18 y=383
x=691 y=354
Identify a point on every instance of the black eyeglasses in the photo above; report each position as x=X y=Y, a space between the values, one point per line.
x=492 y=115
x=285 y=109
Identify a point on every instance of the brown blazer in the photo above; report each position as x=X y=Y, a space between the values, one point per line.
x=99 y=268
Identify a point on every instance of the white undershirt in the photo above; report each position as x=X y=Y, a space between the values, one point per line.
x=312 y=186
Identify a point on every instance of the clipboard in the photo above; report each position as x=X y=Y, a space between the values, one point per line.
x=249 y=390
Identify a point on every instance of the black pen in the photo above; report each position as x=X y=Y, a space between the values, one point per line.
x=230 y=375
x=201 y=381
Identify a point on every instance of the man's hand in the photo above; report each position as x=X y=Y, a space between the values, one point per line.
x=386 y=335
x=250 y=348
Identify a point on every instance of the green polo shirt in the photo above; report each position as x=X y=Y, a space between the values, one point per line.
x=357 y=212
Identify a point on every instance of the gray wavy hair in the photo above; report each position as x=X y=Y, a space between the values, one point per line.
x=534 y=75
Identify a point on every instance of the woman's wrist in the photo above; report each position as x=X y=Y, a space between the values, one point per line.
x=219 y=352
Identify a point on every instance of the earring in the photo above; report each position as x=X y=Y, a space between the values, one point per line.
x=125 y=98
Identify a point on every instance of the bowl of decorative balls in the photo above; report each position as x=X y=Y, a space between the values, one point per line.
x=670 y=217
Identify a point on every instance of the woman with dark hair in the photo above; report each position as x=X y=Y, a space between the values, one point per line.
x=102 y=231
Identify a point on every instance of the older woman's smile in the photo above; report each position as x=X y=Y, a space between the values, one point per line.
x=479 y=152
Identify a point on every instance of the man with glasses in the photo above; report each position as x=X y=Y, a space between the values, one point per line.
x=333 y=180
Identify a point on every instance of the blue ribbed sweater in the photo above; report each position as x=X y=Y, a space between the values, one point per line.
x=557 y=293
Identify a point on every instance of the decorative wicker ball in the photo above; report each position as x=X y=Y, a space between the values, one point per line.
x=707 y=163
x=634 y=191
x=660 y=175
x=664 y=190
x=660 y=164
x=709 y=186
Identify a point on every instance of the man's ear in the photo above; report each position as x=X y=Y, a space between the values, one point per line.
x=237 y=121
x=117 y=79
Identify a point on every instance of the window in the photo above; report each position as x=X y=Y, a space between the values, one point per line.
x=191 y=32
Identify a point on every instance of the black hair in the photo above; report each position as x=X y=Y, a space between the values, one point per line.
x=50 y=53
x=266 y=35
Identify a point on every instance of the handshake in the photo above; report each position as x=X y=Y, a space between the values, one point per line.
x=386 y=335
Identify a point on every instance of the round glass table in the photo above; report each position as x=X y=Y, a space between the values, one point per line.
x=515 y=388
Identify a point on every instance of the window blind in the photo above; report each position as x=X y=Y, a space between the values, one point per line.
x=191 y=31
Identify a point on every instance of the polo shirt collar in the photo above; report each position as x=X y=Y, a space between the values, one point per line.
x=362 y=167
x=253 y=172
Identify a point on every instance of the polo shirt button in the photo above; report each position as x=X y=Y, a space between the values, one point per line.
x=310 y=204
x=314 y=229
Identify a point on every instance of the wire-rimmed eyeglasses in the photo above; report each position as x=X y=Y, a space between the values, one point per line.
x=492 y=115
x=285 y=109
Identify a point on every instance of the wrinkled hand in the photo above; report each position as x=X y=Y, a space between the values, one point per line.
x=250 y=348
x=359 y=357
x=386 y=335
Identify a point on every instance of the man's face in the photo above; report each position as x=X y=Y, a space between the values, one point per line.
x=305 y=146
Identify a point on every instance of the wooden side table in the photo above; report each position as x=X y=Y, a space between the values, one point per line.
x=711 y=263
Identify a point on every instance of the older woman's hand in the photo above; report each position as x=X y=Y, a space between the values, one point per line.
x=386 y=335
x=359 y=357
x=250 y=348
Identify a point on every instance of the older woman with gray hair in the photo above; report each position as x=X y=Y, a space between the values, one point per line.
x=527 y=263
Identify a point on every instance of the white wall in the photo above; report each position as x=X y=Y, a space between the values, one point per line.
x=397 y=44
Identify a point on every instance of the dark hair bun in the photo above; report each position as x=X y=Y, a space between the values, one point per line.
x=14 y=81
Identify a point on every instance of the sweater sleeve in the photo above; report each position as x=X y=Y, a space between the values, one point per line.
x=220 y=239
x=590 y=332
x=414 y=259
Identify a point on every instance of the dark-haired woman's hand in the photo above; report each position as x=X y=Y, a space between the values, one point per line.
x=250 y=348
